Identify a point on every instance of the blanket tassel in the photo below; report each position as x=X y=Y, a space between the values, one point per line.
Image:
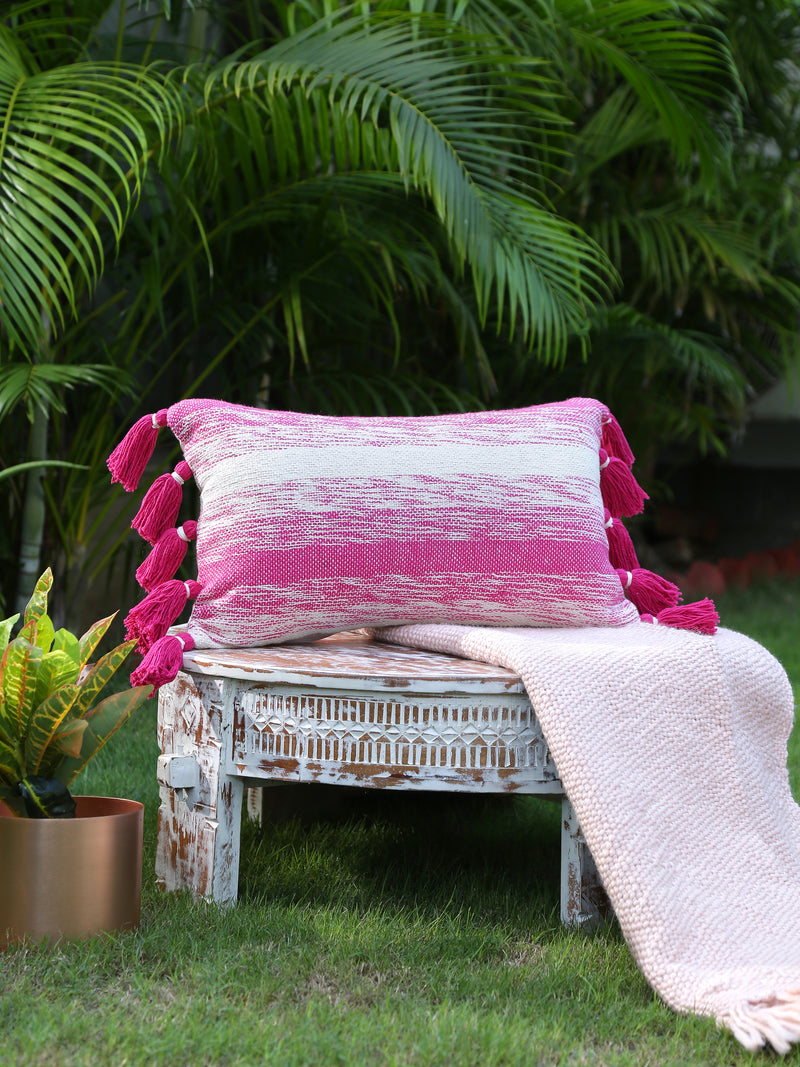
x=622 y=494
x=161 y=503
x=166 y=556
x=776 y=1022
x=620 y=546
x=129 y=459
x=150 y=619
x=701 y=616
x=163 y=661
x=614 y=440
x=649 y=591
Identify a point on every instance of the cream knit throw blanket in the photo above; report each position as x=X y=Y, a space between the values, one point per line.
x=672 y=748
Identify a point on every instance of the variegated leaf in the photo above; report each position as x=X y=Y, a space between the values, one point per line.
x=98 y=675
x=6 y=737
x=102 y=722
x=46 y=798
x=19 y=669
x=10 y=769
x=30 y=631
x=65 y=641
x=56 y=669
x=6 y=626
x=45 y=632
x=45 y=720
x=11 y=798
x=92 y=638
x=68 y=737
x=37 y=605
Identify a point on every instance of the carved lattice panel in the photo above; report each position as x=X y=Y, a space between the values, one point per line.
x=281 y=724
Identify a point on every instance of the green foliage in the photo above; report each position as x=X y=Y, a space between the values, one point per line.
x=51 y=721
x=401 y=206
x=706 y=244
x=414 y=930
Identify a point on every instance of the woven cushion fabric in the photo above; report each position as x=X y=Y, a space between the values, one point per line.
x=314 y=524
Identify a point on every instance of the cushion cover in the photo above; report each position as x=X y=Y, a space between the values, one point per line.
x=311 y=524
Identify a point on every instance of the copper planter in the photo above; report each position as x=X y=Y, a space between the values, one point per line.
x=71 y=877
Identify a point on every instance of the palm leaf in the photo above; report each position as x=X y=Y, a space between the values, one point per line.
x=673 y=66
x=41 y=384
x=446 y=142
x=67 y=184
x=21 y=468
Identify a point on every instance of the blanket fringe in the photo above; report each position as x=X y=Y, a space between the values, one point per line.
x=757 y=1023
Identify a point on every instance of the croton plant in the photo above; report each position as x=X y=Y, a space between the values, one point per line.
x=52 y=717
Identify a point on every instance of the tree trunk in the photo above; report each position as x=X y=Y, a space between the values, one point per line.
x=33 y=513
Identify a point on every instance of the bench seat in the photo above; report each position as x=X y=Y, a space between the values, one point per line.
x=344 y=710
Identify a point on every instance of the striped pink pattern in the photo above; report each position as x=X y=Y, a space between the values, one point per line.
x=312 y=524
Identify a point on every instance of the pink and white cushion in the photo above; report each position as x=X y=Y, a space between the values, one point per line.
x=312 y=524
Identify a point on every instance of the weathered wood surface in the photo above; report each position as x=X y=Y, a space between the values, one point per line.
x=347 y=711
x=353 y=661
x=198 y=828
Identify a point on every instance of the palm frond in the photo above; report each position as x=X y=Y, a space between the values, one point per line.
x=75 y=142
x=349 y=98
x=40 y=384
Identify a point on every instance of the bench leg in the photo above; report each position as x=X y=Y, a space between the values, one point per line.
x=199 y=820
x=583 y=899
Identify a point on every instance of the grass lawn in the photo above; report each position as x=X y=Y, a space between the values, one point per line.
x=407 y=930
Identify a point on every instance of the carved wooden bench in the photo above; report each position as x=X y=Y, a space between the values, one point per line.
x=344 y=710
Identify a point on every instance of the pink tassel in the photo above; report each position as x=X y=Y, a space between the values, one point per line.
x=162 y=663
x=167 y=555
x=622 y=494
x=129 y=459
x=150 y=619
x=701 y=616
x=614 y=441
x=161 y=504
x=648 y=591
x=620 y=547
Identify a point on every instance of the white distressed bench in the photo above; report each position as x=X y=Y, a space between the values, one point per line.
x=345 y=710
